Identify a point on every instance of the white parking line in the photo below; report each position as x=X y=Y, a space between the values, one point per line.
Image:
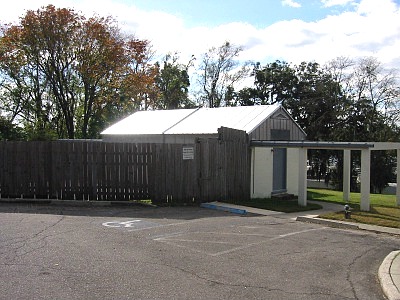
x=166 y=225
x=197 y=241
x=265 y=241
x=167 y=235
x=174 y=240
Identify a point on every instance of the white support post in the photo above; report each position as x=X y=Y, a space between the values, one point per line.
x=346 y=174
x=365 y=179
x=398 y=178
x=302 y=190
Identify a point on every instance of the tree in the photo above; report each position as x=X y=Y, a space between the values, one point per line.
x=130 y=89
x=383 y=165
x=62 y=69
x=345 y=100
x=173 y=83
x=219 y=71
x=9 y=131
x=317 y=102
x=138 y=87
x=23 y=88
x=310 y=94
x=276 y=82
x=371 y=93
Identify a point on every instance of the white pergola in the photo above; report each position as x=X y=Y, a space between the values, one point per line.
x=365 y=177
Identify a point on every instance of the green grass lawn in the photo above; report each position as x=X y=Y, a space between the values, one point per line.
x=384 y=211
x=337 y=197
x=286 y=206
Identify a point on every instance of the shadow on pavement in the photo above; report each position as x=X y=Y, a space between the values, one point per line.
x=136 y=211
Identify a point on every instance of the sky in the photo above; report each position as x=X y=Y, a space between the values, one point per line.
x=288 y=30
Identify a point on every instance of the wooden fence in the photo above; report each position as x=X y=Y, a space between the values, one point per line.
x=219 y=170
x=209 y=170
x=86 y=170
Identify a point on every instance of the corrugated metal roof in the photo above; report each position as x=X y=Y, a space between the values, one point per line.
x=192 y=121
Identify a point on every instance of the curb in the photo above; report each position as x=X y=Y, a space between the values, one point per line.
x=224 y=208
x=348 y=225
x=25 y=200
x=330 y=223
x=79 y=203
x=384 y=273
x=386 y=270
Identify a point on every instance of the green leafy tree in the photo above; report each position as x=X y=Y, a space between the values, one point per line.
x=343 y=101
x=173 y=83
x=311 y=95
x=275 y=83
x=371 y=97
x=8 y=131
x=23 y=92
x=317 y=102
x=383 y=165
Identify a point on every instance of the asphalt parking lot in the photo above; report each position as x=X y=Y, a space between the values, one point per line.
x=55 y=252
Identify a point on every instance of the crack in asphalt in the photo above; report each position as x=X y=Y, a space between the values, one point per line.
x=245 y=286
x=28 y=242
x=349 y=268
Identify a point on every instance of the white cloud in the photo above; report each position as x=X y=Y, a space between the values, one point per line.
x=291 y=3
x=373 y=29
x=330 y=3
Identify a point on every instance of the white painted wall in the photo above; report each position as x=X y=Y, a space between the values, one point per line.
x=261 y=172
x=293 y=171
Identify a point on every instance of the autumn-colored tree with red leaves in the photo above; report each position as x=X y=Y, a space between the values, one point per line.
x=62 y=72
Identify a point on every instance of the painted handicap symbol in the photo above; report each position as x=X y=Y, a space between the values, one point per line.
x=125 y=224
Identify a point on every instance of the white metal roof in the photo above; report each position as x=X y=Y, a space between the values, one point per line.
x=148 y=122
x=192 y=121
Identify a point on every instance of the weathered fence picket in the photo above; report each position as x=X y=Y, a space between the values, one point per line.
x=211 y=169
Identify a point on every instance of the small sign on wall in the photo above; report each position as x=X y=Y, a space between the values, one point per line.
x=187 y=153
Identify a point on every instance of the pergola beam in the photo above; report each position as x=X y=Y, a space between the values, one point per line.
x=313 y=145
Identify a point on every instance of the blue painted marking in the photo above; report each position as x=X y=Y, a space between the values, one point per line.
x=224 y=208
